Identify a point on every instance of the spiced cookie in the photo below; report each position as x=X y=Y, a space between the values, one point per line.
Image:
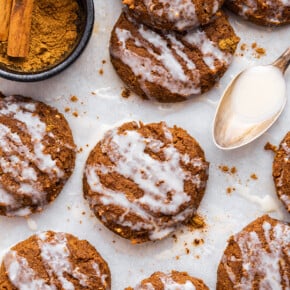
x=258 y=257
x=173 y=280
x=173 y=14
x=281 y=171
x=262 y=12
x=54 y=261
x=37 y=155
x=142 y=181
x=168 y=66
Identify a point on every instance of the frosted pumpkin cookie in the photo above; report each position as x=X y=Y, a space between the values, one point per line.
x=173 y=14
x=143 y=181
x=263 y=12
x=281 y=171
x=37 y=155
x=167 y=66
x=174 y=280
x=258 y=257
x=51 y=261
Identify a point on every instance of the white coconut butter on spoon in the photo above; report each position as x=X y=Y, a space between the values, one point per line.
x=251 y=104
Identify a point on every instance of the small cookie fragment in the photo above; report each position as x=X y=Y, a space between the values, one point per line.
x=143 y=181
x=281 y=171
x=53 y=260
x=173 y=14
x=173 y=280
x=168 y=66
x=262 y=12
x=37 y=155
x=257 y=257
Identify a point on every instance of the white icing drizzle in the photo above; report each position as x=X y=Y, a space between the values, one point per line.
x=20 y=165
x=256 y=260
x=180 y=12
x=168 y=284
x=21 y=275
x=210 y=51
x=55 y=255
x=275 y=8
x=157 y=179
x=98 y=272
x=168 y=74
x=164 y=67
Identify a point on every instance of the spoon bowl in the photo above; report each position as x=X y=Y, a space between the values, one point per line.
x=251 y=104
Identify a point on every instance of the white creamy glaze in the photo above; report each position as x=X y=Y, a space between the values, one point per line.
x=181 y=13
x=168 y=284
x=164 y=68
x=21 y=275
x=256 y=260
x=250 y=7
x=55 y=256
x=157 y=179
x=259 y=93
x=20 y=165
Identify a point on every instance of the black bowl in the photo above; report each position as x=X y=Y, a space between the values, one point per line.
x=88 y=17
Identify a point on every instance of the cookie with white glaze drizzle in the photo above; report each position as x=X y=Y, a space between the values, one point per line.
x=177 y=15
x=37 y=155
x=262 y=12
x=143 y=181
x=52 y=261
x=170 y=281
x=258 y=257
x=281 y=171
x=169 y=66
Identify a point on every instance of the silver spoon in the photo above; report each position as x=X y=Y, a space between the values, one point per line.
x=250 y=104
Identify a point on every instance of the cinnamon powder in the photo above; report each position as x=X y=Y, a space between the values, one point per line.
x=54 y=32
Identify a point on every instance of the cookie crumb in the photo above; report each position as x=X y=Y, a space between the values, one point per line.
x=254 y=176
x=126 y=93
x=197 y=222
x=101 y=71
x=74 y=99
x=271 y=147
x=75 y=114
x=67 y=109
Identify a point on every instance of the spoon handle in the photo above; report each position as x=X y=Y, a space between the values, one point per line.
x=283 y=61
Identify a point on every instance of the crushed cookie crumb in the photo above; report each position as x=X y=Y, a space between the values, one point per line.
x=130 y=3
x=104 y=61
x=74 y=99
x=75 y=114
x=271 y=147
x=126 y=93
x=224 y=168
x=197 y=222
x=67 y=109
x=101 y=71
x=254 y=176
x=243 y=46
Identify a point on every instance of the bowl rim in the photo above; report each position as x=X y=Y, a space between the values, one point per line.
x=76 y=52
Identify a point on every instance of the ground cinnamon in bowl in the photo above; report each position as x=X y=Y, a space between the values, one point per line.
x=54 y=34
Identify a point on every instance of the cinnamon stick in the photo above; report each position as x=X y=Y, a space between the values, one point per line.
x=19 y=29
x=5 y=10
